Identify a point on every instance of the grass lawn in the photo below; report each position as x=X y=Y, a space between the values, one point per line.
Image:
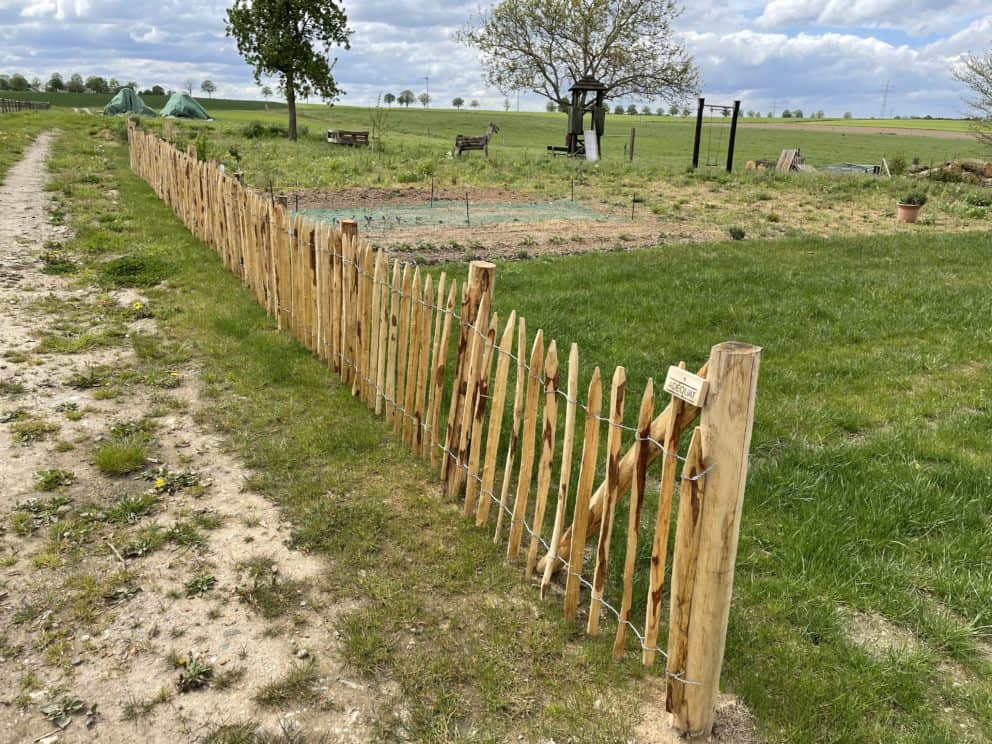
x=868 y=501
x=416 y=143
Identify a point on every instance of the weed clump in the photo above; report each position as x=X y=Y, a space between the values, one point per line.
x=126 y=452
x=133 y=271
x=52 y=480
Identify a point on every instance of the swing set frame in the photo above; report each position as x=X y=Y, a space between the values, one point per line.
x=731 y=139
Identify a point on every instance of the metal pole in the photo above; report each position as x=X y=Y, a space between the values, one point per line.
x=733 y=136
x=630 y=148
x=699 y=134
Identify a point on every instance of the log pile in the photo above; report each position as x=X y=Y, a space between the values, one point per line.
x=969 y=170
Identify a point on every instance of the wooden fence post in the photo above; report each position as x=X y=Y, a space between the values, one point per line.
x=727 y=419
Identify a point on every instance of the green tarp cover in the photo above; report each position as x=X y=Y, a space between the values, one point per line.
x=183 y=106
x=127 y=102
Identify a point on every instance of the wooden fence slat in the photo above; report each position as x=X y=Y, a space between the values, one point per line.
x=480 y=283
x=383 y=334
x=423 y=369
x=527 y=447
x=518 y=412
x=634 y=514
x=587 y=475
x=368 y=282
x=477 y=345
x=502 y=352
x=334 y=331
x=394 y=328
x=375 y=328
x=565 y=475
x=413 y=349
x=613 y=439
x=438 y=369
x=401 y=349
x=480 y=406
x=659 y=545
x=687 y=529
x=550 y=423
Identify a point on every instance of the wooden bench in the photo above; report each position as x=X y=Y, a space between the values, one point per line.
x=350 y=139
x=464 y=144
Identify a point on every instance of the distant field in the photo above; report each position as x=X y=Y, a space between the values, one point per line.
x=944 y=125
x=661 y=142
x=97 y=101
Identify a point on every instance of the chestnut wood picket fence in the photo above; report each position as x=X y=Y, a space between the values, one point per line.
x=10 y=106
x=387 y=330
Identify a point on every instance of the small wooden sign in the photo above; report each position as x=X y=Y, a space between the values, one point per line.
x=685 y=385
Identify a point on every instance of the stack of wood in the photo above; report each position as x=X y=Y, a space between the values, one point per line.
x=971 y=170
x=792 y=160
x=789 y=161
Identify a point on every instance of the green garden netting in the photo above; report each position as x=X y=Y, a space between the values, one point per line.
x=127 y=102
x=452 y=212
x=183 y=106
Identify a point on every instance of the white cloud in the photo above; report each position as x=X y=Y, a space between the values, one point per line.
x=57 y=8
x=830 y=54
x=919 y=17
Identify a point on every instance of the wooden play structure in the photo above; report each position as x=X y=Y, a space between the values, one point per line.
x=588 y=96
x=466 y=144
x=349 y=139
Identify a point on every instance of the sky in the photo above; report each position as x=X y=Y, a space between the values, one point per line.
x=830 y=55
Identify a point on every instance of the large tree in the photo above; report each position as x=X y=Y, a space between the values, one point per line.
x=976 y=73
x=208 y=87
x=546 y=45
x=290 y=39
x=55 y=83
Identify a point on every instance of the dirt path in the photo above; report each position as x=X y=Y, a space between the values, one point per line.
x=845 y=129
x=156 y=604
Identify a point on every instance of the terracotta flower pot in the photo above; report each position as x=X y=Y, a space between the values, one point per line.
x=908 y=212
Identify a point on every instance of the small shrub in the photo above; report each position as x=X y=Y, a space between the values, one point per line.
x=130 y=509
x=120 y=458
x=52 y=480
x=773 y=217
x=31 y=430
x=200 y=144
x=298 y=687
x=196 y=673
x=736 y=232
x=979 y=200
x=133 y=271
x=200 y=585
x=897 y=166
x=57 y=264
x=914 y=198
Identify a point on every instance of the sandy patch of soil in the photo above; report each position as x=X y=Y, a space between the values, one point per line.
x=667 y=211
x=86 y=611
x=733 y=724
x=879 y=636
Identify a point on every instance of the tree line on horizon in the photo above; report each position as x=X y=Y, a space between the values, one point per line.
x=56 y=83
